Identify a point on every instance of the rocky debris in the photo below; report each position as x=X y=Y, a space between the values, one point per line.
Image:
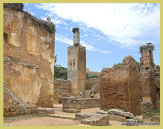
x=139 y=118
x=131 y=122
x=41 y=110
x=80 y=116
x=120 y=113
x=102 y=112
x=72 y=110
x=97 y=120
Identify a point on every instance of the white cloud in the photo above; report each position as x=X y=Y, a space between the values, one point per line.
x=68 y=41
x=123 y=23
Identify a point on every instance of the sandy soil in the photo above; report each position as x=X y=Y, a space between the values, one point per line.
x=60 y=118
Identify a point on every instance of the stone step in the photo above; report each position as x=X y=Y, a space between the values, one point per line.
x=97 y=120
x=72 y=110
x=80 y=116
x=41 y=110
x=62 y=116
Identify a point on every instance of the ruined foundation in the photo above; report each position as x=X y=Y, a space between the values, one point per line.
x=80 y=103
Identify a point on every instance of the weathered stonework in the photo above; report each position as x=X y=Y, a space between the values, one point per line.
x=62 y=89
x=147 y=80
x=77 y=65
x=92 y=88
x=13 y=106
x=157 y=84
x=120 y=87
x=80 y=103
x=28 y=56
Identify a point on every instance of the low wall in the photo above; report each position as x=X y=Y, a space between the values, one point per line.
x=80 y=103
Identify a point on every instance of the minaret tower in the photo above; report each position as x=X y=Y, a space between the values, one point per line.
x=147 y=73
x=76 y=71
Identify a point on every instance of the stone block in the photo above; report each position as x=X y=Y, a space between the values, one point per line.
x=131 y=122
x=117 y=118
x=41 y=110
x=72 y=110
x=80 y=116
x=97 y=120
x=120 y=113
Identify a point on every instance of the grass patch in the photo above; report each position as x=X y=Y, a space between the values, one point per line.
x=155 y=112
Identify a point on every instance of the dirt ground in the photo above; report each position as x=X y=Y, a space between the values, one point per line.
x=60 y=118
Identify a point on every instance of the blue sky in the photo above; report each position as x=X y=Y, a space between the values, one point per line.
x=108 y=31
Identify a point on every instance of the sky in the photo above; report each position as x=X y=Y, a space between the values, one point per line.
x=109 y=31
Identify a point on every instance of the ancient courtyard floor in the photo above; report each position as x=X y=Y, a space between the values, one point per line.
x=59 y=118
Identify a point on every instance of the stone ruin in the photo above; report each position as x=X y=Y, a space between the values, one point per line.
x=120 y=87
x=149 y=77
x=77 y=65
x=29 y=68
x=28 y=60
x=130 y=87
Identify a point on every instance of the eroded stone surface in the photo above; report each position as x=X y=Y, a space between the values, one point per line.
x=13 y=106
x=120 y=113
x=41 y=110
x=80 y=103
x=96 y=120
x=120 y=87
x=28 y=57
x=71 y=110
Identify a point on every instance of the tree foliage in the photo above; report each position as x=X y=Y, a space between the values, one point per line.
x=60 y=72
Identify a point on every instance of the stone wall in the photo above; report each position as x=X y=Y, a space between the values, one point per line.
x=120 y=87
x=13 y=106
x=28 y=57
x=157 y=84
x=147 y=80
x=62 y=89
x=92 y=88
x=80 y=103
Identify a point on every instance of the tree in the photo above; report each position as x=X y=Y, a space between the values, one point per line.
x=59 y=71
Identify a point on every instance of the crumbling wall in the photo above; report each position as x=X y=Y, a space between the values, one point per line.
x=80 y=103
x=157 y=84
x=28 y=56
x=13 y=106
x=92 y=88
x=62 y=89
x=120 y=87
x=147 y=80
